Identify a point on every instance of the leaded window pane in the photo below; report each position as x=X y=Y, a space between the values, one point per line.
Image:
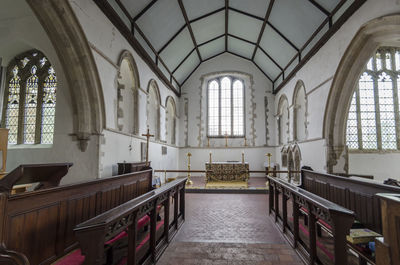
x=372 y=110
x=213 y=109
x=49 y=107
x=13 y=107
x=238 y=118
x=225 y=107
x=30 y=107
x=34 y=123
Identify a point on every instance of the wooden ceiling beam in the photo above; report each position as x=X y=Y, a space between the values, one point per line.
x=321 y=8
x=271 y=3
x=183 y=60
x=144 y=10
x=210 y=40
x=272 y=59
x=171 y=39
x=226 y=23
x=112 y=15
x=183 y=10
x=207 y=15
x=124 y=10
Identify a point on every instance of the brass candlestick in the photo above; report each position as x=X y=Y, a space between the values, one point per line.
x=189 y=182
x=226 y=140
x=208 y=142
x=269 y=155
x=245 y=141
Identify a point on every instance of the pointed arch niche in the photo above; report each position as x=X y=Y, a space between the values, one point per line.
x=153 y=109
x=128 y=85
x=383 y=31
x=300 y=112
x=283 y=120
x=170 y=120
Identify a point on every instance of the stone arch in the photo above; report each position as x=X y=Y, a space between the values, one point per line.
x=300 y=112
x=73 y=50
x=283 y=119
x=383 y=31
x=170 y=120
x=128 y=97
x=153 y=108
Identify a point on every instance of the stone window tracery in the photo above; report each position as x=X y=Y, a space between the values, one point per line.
x=225 y=109
x=30 y=101
x=373 y=120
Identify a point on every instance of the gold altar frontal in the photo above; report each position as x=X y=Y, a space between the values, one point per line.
x=227 y=175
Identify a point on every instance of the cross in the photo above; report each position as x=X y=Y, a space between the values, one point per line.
x=148 y=135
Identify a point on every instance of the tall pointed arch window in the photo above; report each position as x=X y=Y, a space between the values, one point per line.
x=225 y=97
x=373 y=121
x=30 y=101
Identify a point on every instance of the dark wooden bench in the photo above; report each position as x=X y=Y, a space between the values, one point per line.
x=38 y=225
x=358 y=195
x=94 y=233
x=338 y=218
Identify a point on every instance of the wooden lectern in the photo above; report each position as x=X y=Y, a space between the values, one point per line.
x=48 y=176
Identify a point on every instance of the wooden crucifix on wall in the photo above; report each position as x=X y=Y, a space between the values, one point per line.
x=147 y=135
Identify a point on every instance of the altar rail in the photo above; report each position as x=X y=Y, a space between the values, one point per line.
x=339 y=218
x=354 y=194
x=38 y=225
x=93 y=233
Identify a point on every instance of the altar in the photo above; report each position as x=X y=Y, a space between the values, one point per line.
x=227 y=172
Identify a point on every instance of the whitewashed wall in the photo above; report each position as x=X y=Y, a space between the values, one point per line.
x=317 y=76
x=192 y=126
x=107 y=44
x=20 y=31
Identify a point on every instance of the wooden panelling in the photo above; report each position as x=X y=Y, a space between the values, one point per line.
x=356 y=195
x=40 y=224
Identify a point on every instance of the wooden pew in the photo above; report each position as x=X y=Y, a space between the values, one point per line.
x=388 y=246
x=354 y=194
x=38 y=225
x=129 y=167
x=339 y=218
x=92 y=234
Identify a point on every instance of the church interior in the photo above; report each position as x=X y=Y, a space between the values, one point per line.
x=200 y=132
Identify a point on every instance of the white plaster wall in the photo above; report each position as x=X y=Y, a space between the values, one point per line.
x=317 y=75
x=254 y=155
x=20 y=31
x=107 y=44
x=192 y=93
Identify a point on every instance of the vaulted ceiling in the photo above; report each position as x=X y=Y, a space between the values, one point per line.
x=278 y=36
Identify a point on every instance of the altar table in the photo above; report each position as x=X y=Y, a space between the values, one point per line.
x=227 y=171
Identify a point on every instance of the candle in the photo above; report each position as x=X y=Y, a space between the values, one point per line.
x=242 y=157
x=210 y=157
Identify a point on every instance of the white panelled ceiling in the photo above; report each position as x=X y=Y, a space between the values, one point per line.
x=273 y=34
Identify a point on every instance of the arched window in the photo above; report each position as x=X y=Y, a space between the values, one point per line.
x=300 y=112
x=283 y=120
x=373 y=120
x=128 y=84
x=153 y=109
x=170 y=120
x=225 y=97
x=30 y=101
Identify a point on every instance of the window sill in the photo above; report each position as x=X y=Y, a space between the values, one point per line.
x=29 y=146
x=355 y=151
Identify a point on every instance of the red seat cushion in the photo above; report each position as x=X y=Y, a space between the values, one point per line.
x=322 y=222
x=147 y=238
x=142 y=222
x=73 y=258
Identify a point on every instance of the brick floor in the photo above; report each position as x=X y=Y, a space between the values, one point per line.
x=228 y=229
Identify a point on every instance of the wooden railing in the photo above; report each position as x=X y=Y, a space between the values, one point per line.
x=339 y=219
x=93 y=233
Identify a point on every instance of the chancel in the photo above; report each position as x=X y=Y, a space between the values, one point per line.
x=200 y=132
